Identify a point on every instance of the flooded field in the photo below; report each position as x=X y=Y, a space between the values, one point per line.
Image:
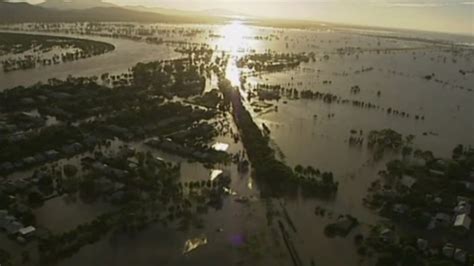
x=427 y=77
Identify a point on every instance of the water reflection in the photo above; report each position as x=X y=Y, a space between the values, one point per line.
x=236 y=39
x=220 y=146
x=215 y=173
x=232 y=38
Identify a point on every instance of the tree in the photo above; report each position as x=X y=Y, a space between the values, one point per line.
x=406 y=151
x=328 y=178
x=395 y=168
x=409 y=257
x=299 y=169
x=458 y=151
x=70 y=170
x=35 y=198
x=387 y=260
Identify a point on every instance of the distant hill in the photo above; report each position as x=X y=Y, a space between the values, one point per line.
x=176 y=12
x=86 y=4
x=160 y=10
x=223 y=13
x=75 y=4
x=24 y=12
x=17 y=12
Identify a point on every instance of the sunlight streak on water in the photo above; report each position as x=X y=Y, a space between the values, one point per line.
x=215 y=173
x=235 y=39
x=250 y=183
x=220 y=146
x=233 y=73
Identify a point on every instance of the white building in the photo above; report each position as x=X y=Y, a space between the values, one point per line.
x=463 y=221
x=26 y=231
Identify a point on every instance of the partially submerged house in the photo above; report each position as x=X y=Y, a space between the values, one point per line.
x=462 y=223
x=408 y=181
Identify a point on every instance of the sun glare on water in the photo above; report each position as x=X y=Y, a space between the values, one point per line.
x=234 y=40
x=233 y=37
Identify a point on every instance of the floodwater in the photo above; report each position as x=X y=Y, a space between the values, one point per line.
x=127 y=54
x=304 y=132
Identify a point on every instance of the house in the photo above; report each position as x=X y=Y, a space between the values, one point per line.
x=443 y=218
x=40 y=158
x=105 y=185
x=51 y=154
x=98 y=166
x=201 y=155
x=13 y=227
x=117 y=197
x=463 y=207
x=463 y=222
x=153 y=141
x=17 y=137
x=440 y=220
x=460 y=256
x=118 y=131
x=422 y=244
x=117 y=173
x=19 y=164
x=408 y=181
x=6 y=167
x=27 y=101
x=170 y=120
x=434 y=172
x=387 y=235
x=344 y=225
x=72 y=149
x=67 y=150
x=42 y=98
x=20 y=184
x=433 y=251
x=5 y=221
x=77 y=146
x=170 y=146
x=126 y=152
x=20 y=208
x=27 y=231
x=400 y=208
x=60 y=95
x=468 y=185
x=448 y=250
x=91 y=141
x=29 y=160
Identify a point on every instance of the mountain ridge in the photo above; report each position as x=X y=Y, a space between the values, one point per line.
x=24 y=12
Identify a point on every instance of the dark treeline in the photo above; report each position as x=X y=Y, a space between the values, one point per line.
x=275 y=178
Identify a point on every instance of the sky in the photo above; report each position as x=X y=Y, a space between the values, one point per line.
x=455 y=16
